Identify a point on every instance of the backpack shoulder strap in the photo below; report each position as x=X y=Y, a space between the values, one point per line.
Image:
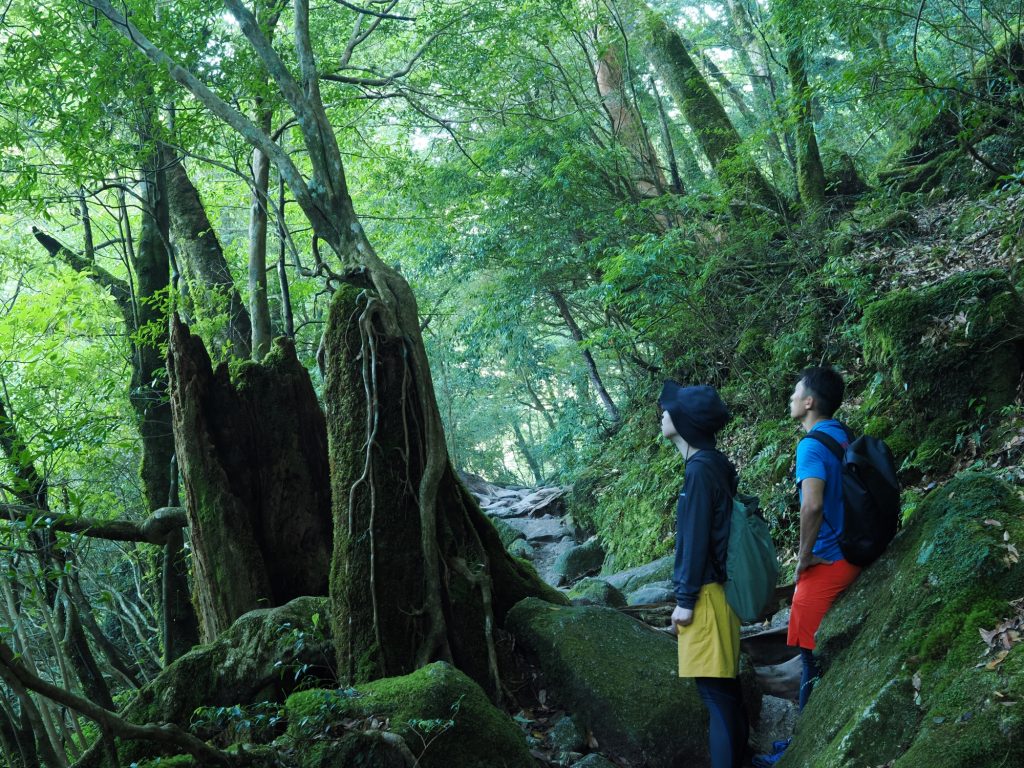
x=829 y=442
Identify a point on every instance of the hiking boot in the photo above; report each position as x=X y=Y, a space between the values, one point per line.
x=769 y=761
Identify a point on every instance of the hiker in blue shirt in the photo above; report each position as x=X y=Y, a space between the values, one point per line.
x=822 y=573
x=706 y=626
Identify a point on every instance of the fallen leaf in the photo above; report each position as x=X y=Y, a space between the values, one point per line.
x=998 y=659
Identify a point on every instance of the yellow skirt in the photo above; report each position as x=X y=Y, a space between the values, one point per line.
x=710 y=646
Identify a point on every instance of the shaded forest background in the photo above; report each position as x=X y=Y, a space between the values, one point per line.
x=585 y=197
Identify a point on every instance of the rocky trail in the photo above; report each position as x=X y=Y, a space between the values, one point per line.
x=534 y=525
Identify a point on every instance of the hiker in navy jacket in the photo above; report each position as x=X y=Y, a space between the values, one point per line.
x=706 y=626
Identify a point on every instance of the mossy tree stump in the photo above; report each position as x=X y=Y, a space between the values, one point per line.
x=253 y=457
x=385 y=545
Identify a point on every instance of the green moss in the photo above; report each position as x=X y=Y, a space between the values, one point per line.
x=592 y=591
x=507 y=532
x=436 y=700
x=915 y=615
x=949 y=346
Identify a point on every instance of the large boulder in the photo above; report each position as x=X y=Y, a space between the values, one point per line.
x=441 y=716
x=579 y=561
x=262 y=657
x=618 y=677
x=907 y=681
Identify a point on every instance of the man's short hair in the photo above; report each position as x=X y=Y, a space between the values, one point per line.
x=827 y=388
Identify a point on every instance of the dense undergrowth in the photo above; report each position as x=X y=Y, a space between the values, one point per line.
x=914 y=297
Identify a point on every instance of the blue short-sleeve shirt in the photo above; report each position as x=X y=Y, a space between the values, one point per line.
x=815 y=460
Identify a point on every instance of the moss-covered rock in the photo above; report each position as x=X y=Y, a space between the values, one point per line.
x=261 y=657
x=618 y=677
x=634 y=578
x=444 y=718
x=950 y=346
x=579 y=561
x=592 y=591
x=508 y=533
x=566 y=736
x=902 y=685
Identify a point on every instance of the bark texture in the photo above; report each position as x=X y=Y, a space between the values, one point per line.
x=148 y=396
x=253 y=457
x=211 y=288
x=378 y=584
x=810 y=174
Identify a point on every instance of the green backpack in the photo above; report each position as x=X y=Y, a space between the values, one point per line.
x=752 y=567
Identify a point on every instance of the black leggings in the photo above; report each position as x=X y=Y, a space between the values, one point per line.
x=729 y=729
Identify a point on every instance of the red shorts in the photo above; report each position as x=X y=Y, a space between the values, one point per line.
x=816 y=590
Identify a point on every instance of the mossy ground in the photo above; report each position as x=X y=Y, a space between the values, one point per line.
x=443 y=716
x=902 y=646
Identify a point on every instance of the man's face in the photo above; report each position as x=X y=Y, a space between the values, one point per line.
x=668 y=429
x=800 y=401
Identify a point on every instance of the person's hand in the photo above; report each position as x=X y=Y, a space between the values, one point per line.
x=681 y=617
x=809 y=562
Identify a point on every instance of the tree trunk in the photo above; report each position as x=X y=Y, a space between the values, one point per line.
x=588 y=358
x=524 y=448
x=380 y=580
x=627 y=125
x=810 y=174
x=377 y=376
x=761 y=81
x=261 y=327
x=703 y=111
x=211 y=288
x=253 y=456
x=287 y=316
x=148 y=394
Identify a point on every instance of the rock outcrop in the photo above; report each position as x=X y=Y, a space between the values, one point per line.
x=909 y=680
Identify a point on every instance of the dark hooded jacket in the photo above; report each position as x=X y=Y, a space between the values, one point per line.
x=703 y=515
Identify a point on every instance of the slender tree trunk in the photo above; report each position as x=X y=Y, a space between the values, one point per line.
x=258 y=301
x=809 y=171
x=287 y=316
x=761 y=81
x=666 y=138
x=592 y=373
x=212 y=290
x=524 y=448
x=627 y=125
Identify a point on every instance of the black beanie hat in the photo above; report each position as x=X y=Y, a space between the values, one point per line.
x=697 y=412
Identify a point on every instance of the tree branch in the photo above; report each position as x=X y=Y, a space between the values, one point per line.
x=239 y=122
x=118 y=288
x=153 y=530
x=167 y=733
